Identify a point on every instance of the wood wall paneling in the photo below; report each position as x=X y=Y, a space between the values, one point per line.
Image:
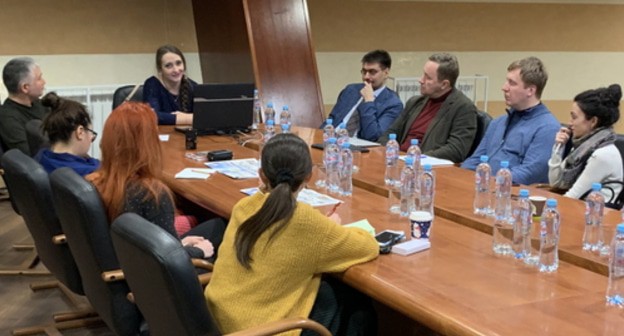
x=223 y=42
x=283 y=57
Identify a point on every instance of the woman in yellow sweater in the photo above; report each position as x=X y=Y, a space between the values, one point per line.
x=275 y=249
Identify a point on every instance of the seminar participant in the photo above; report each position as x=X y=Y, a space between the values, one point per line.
x=594 y=156
x=443 y=119
x=524 y=136
x=368 y=108
x=24 y=82
x=170 y=92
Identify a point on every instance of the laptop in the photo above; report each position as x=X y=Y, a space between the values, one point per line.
x=220 y=116
x=224 y=91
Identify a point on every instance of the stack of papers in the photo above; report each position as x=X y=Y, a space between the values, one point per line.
x=362 y=142
x=195 y=173
x=363 y=224
x=237 y=169
x=307 y=196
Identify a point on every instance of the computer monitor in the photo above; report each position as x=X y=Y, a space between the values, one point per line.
x=224 y=91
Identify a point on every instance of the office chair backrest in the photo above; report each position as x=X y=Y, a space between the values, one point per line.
x=36 y=137
x=85 y=223
x=162 y=279
x=483 y=121
x=30 y=190
x=123 y=93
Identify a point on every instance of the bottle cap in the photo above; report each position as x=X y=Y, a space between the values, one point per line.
x=392 y=136
x=596 y=186
x=551 y=202
x=484 y=158
x=620 y=228
x=414 y=142
x=346 y=145
x=342 y=125
x=285 y=107
x=524 y=193
x=270 y=104
x=285 y=127
x=332 y=140
x=270 y=122
x=409 y=161
x=504 y=164
x=427 y=167
x=329 y=121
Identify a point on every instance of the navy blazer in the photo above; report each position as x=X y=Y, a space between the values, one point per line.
x=375 y=117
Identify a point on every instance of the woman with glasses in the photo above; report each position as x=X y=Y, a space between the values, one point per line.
x=68 y=126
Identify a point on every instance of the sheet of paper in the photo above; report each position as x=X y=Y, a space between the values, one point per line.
x=307 y=196
x=163 y=137
x=363 y=224
x=433 y=161
x=237 y=169
x=362 y=142
x=195 y=173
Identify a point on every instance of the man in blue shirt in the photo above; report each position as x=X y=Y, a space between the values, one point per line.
x=525 y=135
x=369 y=108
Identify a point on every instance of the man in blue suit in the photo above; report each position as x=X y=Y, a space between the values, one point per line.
x=368 y=108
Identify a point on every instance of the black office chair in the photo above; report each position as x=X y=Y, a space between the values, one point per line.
x=483 y=121
x=84 y=221
x=35 y=136
x=127 y=93
x=32 y=195
x=165 y=286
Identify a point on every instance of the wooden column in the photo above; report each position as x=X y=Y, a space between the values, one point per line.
x=268 y=42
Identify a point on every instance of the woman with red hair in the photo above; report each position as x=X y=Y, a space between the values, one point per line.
x=129 y=177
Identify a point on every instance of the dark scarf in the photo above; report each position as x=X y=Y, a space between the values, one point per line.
x=583 y=148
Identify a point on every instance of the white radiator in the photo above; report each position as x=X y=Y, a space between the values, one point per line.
x=99 y=103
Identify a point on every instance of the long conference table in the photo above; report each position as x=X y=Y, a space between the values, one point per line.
x=458 y=286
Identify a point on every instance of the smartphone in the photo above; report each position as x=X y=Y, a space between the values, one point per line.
x=387 y=238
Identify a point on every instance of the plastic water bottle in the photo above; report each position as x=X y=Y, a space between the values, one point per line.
x=257 y=110
x=414 y=152
x=346 y=169
x=392 y=157
x=332 y=160
x=328 y=130
x=342 y=134
x=593 y=238
x=285 y=128
x=408 y=188
x=483 y=199
x=269 y=130
x=522 y=222
x=503 y=231
x=285 y=116
x=427 y=189
x=549 y=237
x=615 y=289
x=269 y=113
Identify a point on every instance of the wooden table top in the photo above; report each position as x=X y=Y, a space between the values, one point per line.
x=458 y=287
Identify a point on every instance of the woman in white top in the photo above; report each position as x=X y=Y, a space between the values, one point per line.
x=594 y=156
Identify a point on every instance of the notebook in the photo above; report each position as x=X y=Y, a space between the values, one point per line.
x=221 y=116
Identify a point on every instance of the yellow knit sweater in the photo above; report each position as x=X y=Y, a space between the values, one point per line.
x=285 y=273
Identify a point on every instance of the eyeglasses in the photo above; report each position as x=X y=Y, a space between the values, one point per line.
x=93 y=132
x=371 y=72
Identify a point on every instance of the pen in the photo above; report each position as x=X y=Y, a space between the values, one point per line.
x=333 y=210
x=200 y=171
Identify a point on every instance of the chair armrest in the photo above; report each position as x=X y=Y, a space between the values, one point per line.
x=114 y=275
x=276 y=327
x=59 y=239
x=204 y=279
x=202 y=263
